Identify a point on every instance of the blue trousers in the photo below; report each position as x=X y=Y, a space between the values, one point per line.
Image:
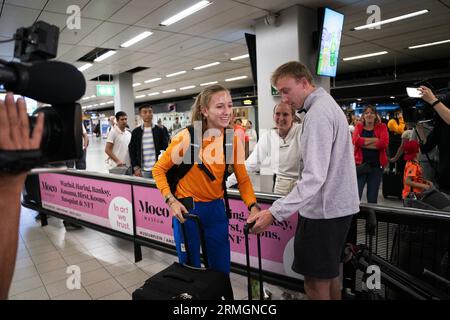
x=373 y=181
x=215 y=225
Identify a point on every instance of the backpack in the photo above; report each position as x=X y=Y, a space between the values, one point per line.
x=177 y=172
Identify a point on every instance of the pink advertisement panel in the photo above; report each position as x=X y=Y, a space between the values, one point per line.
x=104 y=203
x=277 y=242
x=154 y=221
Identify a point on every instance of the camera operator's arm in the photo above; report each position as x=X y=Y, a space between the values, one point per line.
x=14 y=135
x=440 y=108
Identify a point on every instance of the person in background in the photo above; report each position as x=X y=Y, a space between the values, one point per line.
x=15 y=135
x=240 y=132
x=253 y=137
x=278 y=145
x=351 y=126
x=406 y=136
x=163 y=127
x=147 y=142
x=117 y=143
x=176 y=125
x=396 y=127
x=112 y=123
x=213 y=108
x=413 y=178
x=326 y=194
x=371 y=140
x=79 y=164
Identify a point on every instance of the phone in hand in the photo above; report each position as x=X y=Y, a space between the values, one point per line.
x=187 y=202
x=413 y=92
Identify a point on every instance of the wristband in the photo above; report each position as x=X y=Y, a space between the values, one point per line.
x=254 y=204
x=435 y=103
x=167 y=198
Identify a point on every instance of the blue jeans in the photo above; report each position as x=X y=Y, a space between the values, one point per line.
x=215 y=225
x=373 y=181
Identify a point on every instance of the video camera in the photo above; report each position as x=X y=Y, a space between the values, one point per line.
x=55 y=83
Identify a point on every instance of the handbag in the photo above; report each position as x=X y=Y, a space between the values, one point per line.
x=364 y=168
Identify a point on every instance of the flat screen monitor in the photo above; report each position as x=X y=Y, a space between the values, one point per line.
x=330 y=40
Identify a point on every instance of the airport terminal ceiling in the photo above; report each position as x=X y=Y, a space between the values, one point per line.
x=210 y=37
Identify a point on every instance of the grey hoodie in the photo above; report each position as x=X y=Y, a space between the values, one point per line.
x=327 y=187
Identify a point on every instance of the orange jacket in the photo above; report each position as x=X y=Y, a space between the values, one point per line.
x=195 y=183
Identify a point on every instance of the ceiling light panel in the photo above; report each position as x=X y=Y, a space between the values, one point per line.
x=185 y=13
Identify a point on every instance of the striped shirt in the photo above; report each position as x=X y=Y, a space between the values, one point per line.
x=148 y=150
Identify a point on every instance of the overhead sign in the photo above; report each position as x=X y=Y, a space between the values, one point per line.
x=105 y=90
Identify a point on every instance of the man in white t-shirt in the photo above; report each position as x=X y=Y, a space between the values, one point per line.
x=117 y=143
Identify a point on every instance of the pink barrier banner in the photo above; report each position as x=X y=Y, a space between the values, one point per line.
x=153 y=218
x=154 y=221
x=277 y=242
x=104 y=203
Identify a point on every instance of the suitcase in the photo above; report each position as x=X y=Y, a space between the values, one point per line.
x=183 y=282
x=247 y=228
x=392 y=185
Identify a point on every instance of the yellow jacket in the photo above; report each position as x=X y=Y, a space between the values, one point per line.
x=395 y=127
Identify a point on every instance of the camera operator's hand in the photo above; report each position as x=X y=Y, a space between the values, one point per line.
x=14 y=136
x=427 y=94
x=442 y=110
x=15 y=128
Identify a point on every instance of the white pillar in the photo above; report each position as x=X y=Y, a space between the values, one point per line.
x=124 y=98
x=289 y=39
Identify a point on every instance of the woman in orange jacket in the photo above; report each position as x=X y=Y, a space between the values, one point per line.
x=213 y=109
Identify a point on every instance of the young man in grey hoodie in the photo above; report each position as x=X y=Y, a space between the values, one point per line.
x=326 y=194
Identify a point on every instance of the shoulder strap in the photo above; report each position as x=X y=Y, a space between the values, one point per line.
x=189 y=158
x=227 y=156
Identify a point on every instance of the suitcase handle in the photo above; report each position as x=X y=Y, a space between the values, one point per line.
x=247 y=228
x=202 y=238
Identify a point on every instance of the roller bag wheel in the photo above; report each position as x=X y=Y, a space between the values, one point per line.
x=183 y=282
x=392 y=185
